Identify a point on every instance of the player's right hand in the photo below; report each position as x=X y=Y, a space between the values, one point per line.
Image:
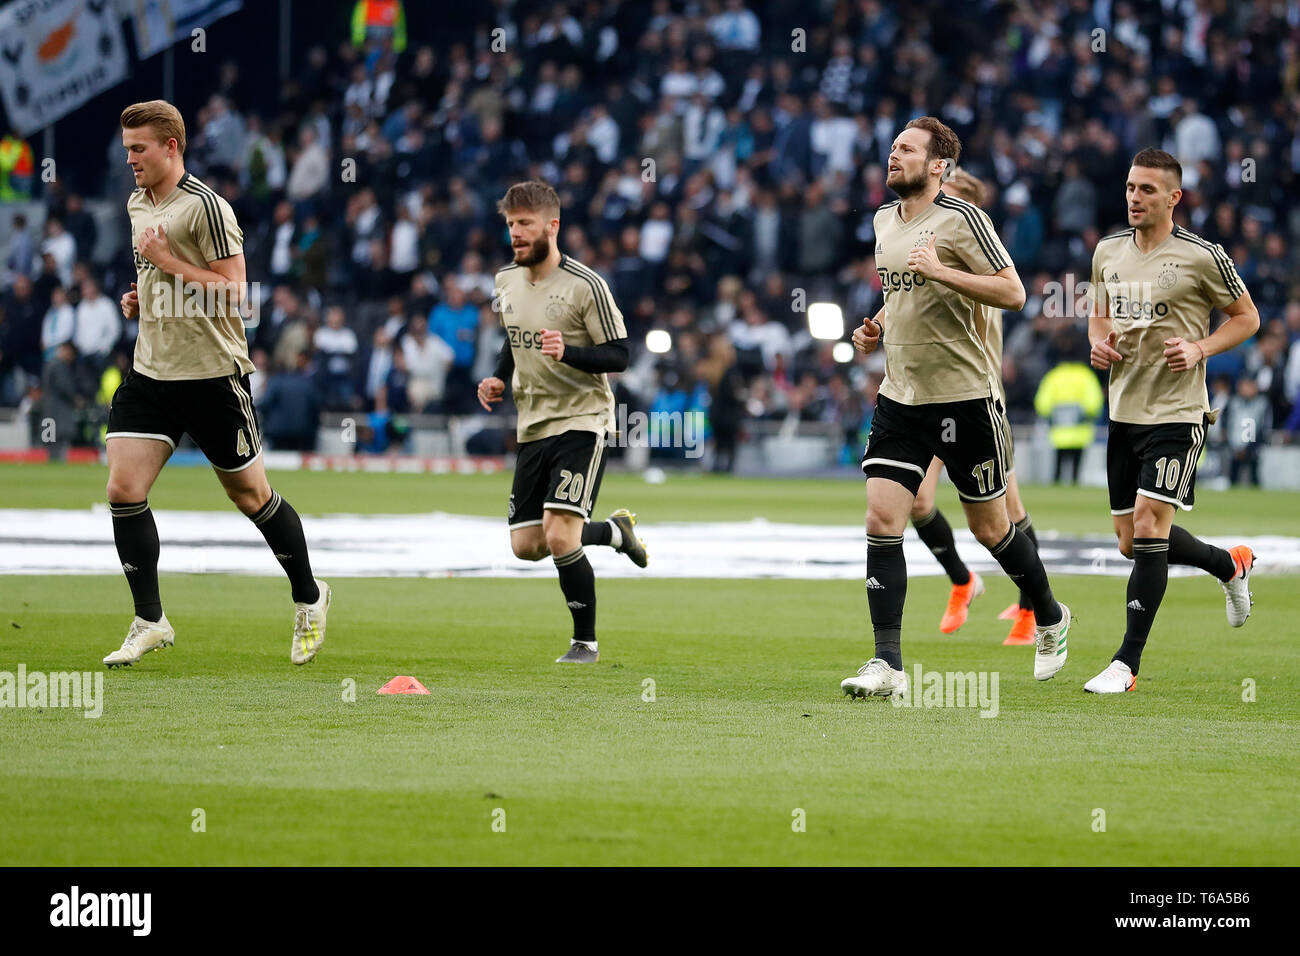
x=1103 y=351
x=131 y=303
x=490 y=391
x=867 y=336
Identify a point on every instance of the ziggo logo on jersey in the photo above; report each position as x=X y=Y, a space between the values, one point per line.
x=524 y=338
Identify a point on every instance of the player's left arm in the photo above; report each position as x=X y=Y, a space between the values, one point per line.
x=992 y=278
x=1223 y=287
x=1242 y=323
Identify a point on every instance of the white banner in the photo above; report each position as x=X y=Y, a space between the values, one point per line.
x=55 y=55
x=160 y=23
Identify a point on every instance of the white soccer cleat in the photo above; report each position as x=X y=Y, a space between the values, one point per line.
x=143 y=637
x=1115 y=679
x=1237 y=591
x=309 y=625
x=876 y=679
x=1049 y=647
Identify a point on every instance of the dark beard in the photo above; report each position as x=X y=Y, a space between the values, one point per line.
x=907 y=188
x=535 y=253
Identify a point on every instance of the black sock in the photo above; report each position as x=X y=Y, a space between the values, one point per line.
x=1146 y=589
x=886 y=592
x=597 y=532
x=136 y=537
x=1186 y=548
x=936 y=532
x=1019 y=558
x=578 y=582
x=282 y=529
x=1025 y=526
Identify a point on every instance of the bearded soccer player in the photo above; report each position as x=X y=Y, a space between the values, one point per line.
x=931 y=525
x=564 y=333
x=190 y=375
x=941 y=263
x=1154 y=286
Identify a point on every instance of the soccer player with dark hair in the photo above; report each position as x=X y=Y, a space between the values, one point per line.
x=190 y=375
x=1154 y=286
x=563 y=334
x=941 y=264
x=931 y=524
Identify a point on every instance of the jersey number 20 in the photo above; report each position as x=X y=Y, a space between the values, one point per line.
x=570 y=486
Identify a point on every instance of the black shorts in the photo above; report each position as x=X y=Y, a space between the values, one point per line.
x=559 y=473
x=216 y=412
x=969 y=437
x=1155 y=461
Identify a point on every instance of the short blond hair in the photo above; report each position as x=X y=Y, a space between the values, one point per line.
x=533 y=196
x=965 y=186
x=163 y=118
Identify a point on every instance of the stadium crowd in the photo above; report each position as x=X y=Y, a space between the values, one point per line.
x=719 y=162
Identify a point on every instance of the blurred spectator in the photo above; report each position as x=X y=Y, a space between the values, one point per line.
x=22 y=251
x=81 y=225
x=99 y=326
x=61 y=247
x=291 y=407
x=1248 y=421
x=337 y=346
x=61 y=401
x=736 y=27
x=1070 y=399
x=428 y=358
x=379 y=22
x=17 y=168
x=20 y=333
x=59 y=325
x=378 y=363
x=310 y=172
x=1022 y=233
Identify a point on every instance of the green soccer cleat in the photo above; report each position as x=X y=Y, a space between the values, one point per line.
x=1051 y=652
x=632 y=546
x=309 y=625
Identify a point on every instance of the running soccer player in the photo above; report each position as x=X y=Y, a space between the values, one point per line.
x=931 y=525
x=1154 y=286
x=190 y=375
x=563 y=333
x=940 y=263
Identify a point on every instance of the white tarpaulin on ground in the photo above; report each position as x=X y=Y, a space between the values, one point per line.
x=443 y=545
x=55 y=55
x=160 y=23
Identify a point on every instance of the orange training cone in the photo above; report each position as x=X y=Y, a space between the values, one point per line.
x=403 y=685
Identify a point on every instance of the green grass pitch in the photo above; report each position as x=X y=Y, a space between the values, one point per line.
x=747 y=725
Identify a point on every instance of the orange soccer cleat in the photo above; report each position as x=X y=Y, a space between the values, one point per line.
x=1010 y=612
x=1022 y=632
x=959 y=602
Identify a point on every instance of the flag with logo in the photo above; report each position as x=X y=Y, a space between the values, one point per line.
x=56 y=55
